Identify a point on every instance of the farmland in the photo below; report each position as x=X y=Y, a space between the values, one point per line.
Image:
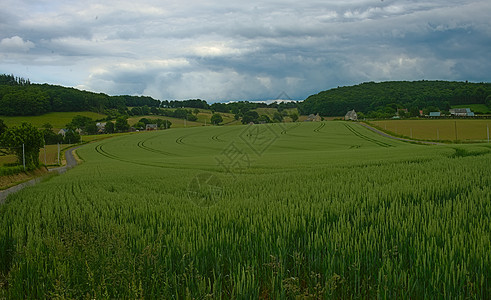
x=57 y=119
x=438 y=130
x=321 y=210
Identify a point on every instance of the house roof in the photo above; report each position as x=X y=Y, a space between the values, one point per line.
x=351 y=113
x=435 y=114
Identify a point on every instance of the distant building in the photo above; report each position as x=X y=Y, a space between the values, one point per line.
x=313 y=118
x=461 y=112
x=403 y=110
x=150 y=127
x=351 y=115
x=63 y=131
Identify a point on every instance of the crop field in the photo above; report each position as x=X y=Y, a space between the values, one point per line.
x=438 y=130
x=314 y=210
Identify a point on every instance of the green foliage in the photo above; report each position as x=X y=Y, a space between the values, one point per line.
x=25 y=141
x=374 y=97
x=329 y=211
x=109 y=128
x=71 y=137
x=277 y=117
x=18 y=97
x=49 y=136
x=250 y=116
x=216 y=119
x=220 y=107
x=3 y=127
x=294 y=116
x=121 y=124
x=264 y=119
x=163 y=124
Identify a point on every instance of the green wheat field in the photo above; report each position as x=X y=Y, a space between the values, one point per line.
x=296 y=210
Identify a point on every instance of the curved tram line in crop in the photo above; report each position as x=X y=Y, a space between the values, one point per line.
x=318 y=129
x=99 y=149
x=290 y=128
x=366 y=138
x=141 y=144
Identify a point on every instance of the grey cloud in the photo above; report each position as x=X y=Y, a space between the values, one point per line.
x=228 y=50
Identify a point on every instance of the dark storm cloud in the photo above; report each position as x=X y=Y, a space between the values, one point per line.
x=230 y=50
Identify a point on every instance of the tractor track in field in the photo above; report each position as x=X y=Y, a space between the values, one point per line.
x=366 y=138
x=99 y=149
x=318 y=129
x=285 y=130
x=217 y=139
x=179 y=140
x=141 y=144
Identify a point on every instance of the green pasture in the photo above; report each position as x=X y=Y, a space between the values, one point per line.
x=297 y=210
x=479 y=108
x=57 y=119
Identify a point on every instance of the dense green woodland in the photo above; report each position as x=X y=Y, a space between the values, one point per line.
x=387 y=97
x=19 y=97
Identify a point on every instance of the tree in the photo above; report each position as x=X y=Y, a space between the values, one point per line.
x=250 y=116
x=71 y=137
x=294 y=117
x=277 y=117
x=414 y=112
x=264 y=119
x=216 y=119
x=145 y=110
x=196 y=111
x=24 y=136
x=139 y=125
x=165 y=124
x=3 y=127
x=50 y=137
x=121 y=124
x=109 y=127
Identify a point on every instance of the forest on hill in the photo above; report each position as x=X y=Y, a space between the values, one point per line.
x=384 y=98
x=20 y=97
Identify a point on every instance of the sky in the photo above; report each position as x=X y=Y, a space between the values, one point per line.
x=219 y=50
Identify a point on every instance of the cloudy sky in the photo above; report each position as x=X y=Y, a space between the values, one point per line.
x=221 y=50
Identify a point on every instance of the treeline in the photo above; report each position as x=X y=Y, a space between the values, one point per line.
x=19 y=97
x=386 y=97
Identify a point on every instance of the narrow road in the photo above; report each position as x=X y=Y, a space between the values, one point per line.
x=70 y=163
x=397 y=138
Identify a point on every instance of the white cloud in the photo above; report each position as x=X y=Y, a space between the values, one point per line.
x=15 y=44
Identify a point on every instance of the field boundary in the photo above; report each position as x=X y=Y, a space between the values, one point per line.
x=397 y=138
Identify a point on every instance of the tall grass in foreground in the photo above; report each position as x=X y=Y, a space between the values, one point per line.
x=407 y=228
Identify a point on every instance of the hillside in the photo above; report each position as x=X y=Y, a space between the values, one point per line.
x=387 y=97
x=20 y=97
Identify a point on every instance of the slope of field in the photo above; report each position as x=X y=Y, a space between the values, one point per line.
x=443 y=130
x=57 y=119
x=478 y=108
x=319 y=210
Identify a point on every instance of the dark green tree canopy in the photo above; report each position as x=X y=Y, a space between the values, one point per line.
x=24 y=140
x=371 y=97
x=216 y=119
